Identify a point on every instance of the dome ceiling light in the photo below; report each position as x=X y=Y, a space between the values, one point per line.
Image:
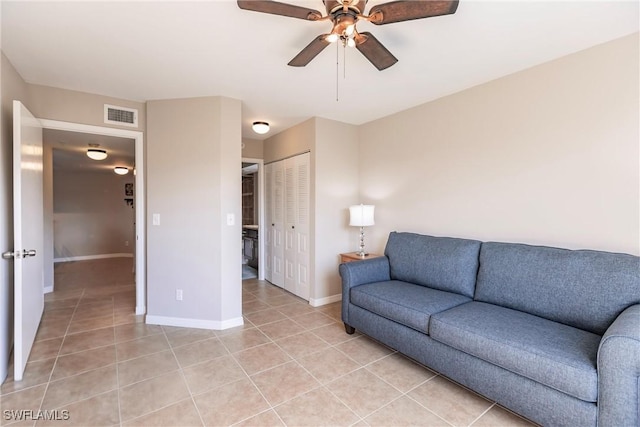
x=96 y=153
x=260 y=127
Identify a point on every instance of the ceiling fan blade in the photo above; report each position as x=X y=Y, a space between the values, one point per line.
x=311 y=51
x=374 y=51
x=277 y=8
x=398 y=11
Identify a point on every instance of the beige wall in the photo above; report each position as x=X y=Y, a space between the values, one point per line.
x=11 y=87
x=336 y=188
x=193 y=182
x=78 y=107
x=545 y=156
x=253 y=148
x=90 y=216
x=295 y=140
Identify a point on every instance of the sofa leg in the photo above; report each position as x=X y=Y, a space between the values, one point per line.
x=350 y=329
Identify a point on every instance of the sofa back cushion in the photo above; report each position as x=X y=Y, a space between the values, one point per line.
x=442 y=263
x=581 y=288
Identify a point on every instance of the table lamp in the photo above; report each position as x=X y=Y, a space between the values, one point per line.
x=361 y=216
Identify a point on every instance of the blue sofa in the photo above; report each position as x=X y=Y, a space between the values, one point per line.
x=552 y=334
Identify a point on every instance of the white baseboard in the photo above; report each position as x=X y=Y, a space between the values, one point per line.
x=194 y=323
x=140 y=309
x=88 y=257
x=324 y=301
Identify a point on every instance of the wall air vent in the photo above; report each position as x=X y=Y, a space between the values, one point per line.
x=120 y=116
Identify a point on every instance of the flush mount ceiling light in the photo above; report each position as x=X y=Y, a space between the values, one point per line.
x=121 y=170
x=260 y=127
x=96 y=154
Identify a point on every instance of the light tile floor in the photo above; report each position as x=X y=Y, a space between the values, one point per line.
x=290 y=364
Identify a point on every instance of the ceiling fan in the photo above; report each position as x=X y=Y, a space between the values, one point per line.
x=344 y=14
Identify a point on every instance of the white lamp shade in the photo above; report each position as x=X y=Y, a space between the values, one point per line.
x=121 y=170
x=361 y=215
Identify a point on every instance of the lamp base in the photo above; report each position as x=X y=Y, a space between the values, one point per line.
x=361 y=253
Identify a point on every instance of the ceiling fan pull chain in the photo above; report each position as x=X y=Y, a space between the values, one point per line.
x=337 y=71
x=344 y=61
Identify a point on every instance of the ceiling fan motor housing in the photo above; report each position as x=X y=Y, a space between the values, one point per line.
x=342 y=21
x=355 y=6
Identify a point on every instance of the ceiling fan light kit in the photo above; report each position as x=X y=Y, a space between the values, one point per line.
x=344 y=15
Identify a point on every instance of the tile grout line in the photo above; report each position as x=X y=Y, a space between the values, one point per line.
x=115 y=349
x=184 y=378
x=46 y=389
x=271 y=407
x=482 y=414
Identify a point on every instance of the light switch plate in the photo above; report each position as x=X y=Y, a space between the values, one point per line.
x=156 y=219
x=231 y=219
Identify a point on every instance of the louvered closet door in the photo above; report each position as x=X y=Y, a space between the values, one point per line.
x=296 y=229
x=303 y=177
x=290 y=211
x=277 y=266
x=268 y=242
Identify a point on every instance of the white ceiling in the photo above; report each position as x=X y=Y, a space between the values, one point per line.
x=146 y=50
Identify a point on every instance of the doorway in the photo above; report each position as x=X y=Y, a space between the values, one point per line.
x=139 y=264
x=252 y=219
x=92 y=202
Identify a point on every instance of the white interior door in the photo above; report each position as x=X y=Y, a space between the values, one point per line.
x=290 y=214
x=296 y=248
x=277 y=265
x=301 y=235
x=268 y=227
x=28 y=230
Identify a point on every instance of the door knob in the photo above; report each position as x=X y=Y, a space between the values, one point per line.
x=27 y=253
x=8 y=255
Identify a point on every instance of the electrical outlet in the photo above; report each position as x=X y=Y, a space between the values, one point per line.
x=126 y=243
x=179 y=294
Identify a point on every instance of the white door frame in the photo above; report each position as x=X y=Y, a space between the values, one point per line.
x=141 y=253
x=261 y=217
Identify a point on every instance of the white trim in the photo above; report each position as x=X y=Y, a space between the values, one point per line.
x=88 y=257
x=194 y=323
x=261 y=215
x=141 y=247
x=313 y=302
x=48 y=289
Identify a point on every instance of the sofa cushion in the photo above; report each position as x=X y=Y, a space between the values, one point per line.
x=582 y=288
x=553 y=354
x=442 y=263
x=406 y=303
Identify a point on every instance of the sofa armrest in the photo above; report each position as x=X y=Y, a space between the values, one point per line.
x=619 y=371
x=360 y=273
